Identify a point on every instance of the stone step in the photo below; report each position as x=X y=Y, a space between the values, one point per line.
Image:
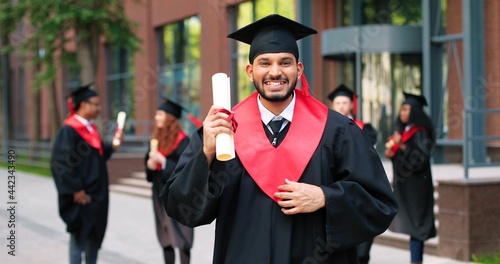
x=135 y=185
x=138 y=175
x=131 y=190
x=135 y=182
x=402 y=241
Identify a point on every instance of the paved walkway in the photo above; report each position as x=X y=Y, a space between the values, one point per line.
x=130 y=237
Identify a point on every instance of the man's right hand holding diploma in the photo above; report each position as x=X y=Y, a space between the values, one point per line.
x=214 y=124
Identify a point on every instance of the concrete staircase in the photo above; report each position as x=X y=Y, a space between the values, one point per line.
x=402 y=241
x=135 y=185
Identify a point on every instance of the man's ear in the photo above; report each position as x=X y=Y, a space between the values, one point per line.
x=249 y=70
x=300 y=70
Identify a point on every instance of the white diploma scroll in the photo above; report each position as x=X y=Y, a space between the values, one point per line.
x=120 y=120
x=224 y=143
x=153 y=146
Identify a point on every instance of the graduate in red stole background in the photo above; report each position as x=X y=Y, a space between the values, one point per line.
x=78 y=165
x=410 y=149
x=306 y=186
x=345 y=101
x=171 y=142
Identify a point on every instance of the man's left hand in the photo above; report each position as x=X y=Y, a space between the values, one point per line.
x=296 y=197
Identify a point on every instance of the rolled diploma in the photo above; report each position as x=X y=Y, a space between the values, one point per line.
x=153 y=145
x=121 y=123
x=224 y=143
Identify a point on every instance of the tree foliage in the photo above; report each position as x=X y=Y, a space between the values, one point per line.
x=41 y=29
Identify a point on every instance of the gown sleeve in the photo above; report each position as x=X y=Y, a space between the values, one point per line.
x=149 y=172
x=370 y=133
x=63 y=162
x=360 y=203
x=186 y=194
x=161 y=177
x=418 y=151
x=153 y=176
x=108 y=150
x=172 y=161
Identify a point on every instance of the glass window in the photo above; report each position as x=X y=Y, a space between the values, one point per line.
x=384 y=78
x=382 y=12
x=71 y=76
x=345 y=13
x=242 y=15
x=120 y=87
x=179 y=60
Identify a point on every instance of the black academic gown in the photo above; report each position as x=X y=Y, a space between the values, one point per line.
x=250 y=226
x=76 y=166
x=413 y=188
x=370 y=133
x=169 y=231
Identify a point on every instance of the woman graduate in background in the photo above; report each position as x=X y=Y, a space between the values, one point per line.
x=410 y=149
x=171 y=142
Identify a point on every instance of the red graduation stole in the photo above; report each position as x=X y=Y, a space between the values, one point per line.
x=407 y=134
x=269 y=166
x=94 y=139
x=360 y=123
x=180 y=136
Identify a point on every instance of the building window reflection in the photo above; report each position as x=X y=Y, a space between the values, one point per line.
x=120 y=87
x=71 y=76
x=179 y=61
x=384 y=78
x=371 y=12
x=384 y=74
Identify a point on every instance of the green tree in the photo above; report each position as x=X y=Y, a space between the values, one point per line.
x=48 y=25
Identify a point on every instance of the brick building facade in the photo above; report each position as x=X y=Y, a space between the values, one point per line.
x=216 y=52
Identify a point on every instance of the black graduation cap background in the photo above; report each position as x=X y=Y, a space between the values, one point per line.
x=175 y=109
x=171 y=107
x=414 y=100
x=341 y=90
x=272 y=34
x=80 y=94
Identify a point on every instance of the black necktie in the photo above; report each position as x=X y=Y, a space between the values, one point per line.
x=275 y=127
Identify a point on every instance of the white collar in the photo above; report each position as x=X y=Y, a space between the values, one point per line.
x=267 y=116
x=82 y=119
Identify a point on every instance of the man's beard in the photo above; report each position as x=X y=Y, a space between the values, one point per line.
x=275 y=97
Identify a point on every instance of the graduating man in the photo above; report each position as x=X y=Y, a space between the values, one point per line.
x=80 y=174
x=344 y=101
x=306 y=186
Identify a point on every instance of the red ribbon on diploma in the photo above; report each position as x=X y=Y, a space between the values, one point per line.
x=230 y=117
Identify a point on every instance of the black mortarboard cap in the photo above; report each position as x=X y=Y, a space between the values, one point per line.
x=341 y=90
x=172 y=108
x=414 y=100
x=82 y=93
x=272 y=34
